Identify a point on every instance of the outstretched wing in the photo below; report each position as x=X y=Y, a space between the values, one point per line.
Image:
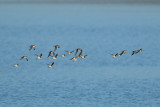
x=80 y=53
x=133 y=52
x=56 y=55
x=49 y=53
x=55 y=49
x=57 y=46
x=140 y=50
x=22 y=57
x=52 y=63
x=76 y=51
x=116 y=54
x=53 y=54
x=41 y=55
x=27 y=59
x=121 y=53
x=31 y=47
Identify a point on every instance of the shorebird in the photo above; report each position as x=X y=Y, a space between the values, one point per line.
x=32 y=47
x=74 y=59
x=50 y=53
x=51 y=66
x=24 y=57
x=80 y=54
x=83 y=56
x=140 y=50
x=64 y=55
x=16 y=65
x=115 y=55
x=134 y=52
x=39 y=57
x=79 y=49
x=55 y=57
x=122 y=52
x=70 y=52
x=56 y=47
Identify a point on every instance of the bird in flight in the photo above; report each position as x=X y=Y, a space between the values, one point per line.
x=123 y=52
x=70 y=52
x=77 y=50
x=51 y=66
x=50 y=53
x=83 y=56
x=32 y=47
x=64 y=55
x=56 y=47
x=24 y=57
x=55 y=56
x=16 y=65
x=115 y=55
x=39 y=57
x=74 y=59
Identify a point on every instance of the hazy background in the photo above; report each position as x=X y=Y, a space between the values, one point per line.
x=85 y=1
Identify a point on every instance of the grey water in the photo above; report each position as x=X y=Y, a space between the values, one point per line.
x=97 y=81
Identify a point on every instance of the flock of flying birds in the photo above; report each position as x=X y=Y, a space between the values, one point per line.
x=78 y=54
x=123 y=52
